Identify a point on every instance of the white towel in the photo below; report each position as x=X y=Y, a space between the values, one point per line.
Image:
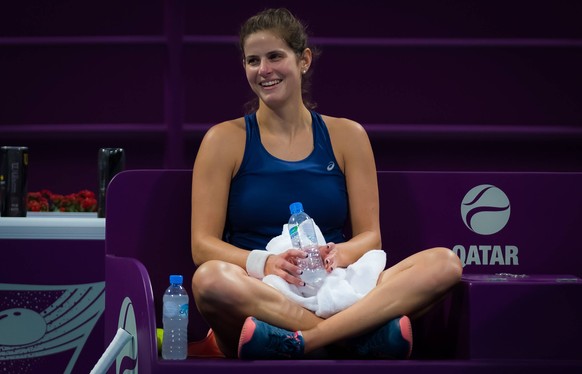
x=342 y=287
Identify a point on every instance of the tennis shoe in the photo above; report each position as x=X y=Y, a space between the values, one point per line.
x=391 y=341
x=259 y=340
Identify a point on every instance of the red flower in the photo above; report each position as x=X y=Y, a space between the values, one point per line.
x=46 y=201
x=37 y=202
x=34 y=206
x=88 y=204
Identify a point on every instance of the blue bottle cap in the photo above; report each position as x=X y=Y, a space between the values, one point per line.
x=296 y=208
x=176 y=279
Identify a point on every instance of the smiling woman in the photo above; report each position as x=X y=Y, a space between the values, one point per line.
x=273 y=69
x=247 y=172
x=292 y=48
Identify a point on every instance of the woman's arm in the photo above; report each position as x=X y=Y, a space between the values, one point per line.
x=354 y=153
x=217 y=161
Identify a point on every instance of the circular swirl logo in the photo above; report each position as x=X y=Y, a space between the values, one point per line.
x=485 y=209
x=330 y=166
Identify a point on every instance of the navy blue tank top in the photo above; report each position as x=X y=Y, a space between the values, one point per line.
x=264 y=186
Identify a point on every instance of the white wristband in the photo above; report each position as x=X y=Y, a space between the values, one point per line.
x=256 y=263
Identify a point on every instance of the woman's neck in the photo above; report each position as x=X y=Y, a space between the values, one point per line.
x=284 y=119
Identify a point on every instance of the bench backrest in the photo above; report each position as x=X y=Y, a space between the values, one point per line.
x=497 y=222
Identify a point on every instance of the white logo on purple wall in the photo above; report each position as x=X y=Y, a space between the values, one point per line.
x=38 y=322
x=485 y=209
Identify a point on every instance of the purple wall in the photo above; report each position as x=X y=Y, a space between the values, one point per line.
x=450 y=85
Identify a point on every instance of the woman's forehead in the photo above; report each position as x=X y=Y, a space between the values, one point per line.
x=262 y=41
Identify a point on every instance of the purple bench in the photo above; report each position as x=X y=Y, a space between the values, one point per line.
x=496 y=319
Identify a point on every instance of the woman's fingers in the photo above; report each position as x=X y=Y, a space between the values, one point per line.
x=285 y=266
x=329 y=253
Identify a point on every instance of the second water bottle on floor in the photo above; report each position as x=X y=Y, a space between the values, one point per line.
x=175 y=319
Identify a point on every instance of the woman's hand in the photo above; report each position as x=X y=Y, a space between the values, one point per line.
x=331 y=256
x=284 y=265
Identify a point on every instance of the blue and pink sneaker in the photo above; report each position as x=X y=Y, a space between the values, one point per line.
x=391 y=341
x=259 y=340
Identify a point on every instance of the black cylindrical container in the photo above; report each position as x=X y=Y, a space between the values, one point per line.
x=110 y=162
x=13 y=181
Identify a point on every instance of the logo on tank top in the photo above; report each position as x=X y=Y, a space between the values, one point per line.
x=330 y=166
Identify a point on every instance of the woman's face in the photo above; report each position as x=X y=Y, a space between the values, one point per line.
x=273 y=70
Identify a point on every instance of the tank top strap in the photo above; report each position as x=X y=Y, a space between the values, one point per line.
x=322 y=140
x=252 y=127
x=253 y=140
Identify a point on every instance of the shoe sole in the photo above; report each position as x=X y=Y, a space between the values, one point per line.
x=246 y=333
x=406 y=331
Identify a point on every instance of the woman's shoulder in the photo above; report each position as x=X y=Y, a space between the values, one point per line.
x=229 y=126
x=223 y=146
x=227 y=131
x=343 y=127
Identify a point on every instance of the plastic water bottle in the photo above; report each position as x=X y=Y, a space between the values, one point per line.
x=302 y=231
x=175 y=319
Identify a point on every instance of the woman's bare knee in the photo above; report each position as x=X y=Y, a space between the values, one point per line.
x=217 y=281
x=447 y=266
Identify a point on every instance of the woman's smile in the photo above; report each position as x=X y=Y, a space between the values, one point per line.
x=270 y=83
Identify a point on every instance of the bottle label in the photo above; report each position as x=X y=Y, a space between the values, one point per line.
x=173 y=310
x=307 y=232
x=303 y=234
